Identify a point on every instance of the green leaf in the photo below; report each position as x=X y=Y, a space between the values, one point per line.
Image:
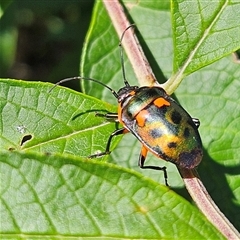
x=103 y=63
x=115 y=202
x=60 y=121
x=3 y=6
x=210 y=94
x=52 y=196
x=204 y=32
x=215 y=99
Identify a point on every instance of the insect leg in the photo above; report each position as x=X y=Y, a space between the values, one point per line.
x=141 y=161
x=196 y=122
x=107 y=151
x=108 y=116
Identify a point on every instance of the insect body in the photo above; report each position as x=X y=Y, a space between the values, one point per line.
x=161 y=125
x=157 y=121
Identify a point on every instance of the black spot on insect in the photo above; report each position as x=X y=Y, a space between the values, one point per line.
x=160 y=111
x=186 y=133
x=155 y=133
x=172 y=145
x=176 y=117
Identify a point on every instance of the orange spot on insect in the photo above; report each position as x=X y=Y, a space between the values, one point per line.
x=159 y=102
x=132 y=93
x=141 y=117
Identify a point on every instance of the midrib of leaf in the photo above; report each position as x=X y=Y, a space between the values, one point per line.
x=174 y=81
x=69 y=135
x=47 y=236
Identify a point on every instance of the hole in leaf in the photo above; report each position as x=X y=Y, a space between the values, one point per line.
x=236 y=56
x=25 y=139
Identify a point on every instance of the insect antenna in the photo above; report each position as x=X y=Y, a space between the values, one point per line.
x=121 y=55
x=84 y=78
x=94 y=80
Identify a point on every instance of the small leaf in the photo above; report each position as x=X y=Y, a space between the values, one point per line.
x=204 y=32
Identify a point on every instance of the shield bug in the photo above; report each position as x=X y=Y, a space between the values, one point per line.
x=161 y=125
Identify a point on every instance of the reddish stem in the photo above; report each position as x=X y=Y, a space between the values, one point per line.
x=205 y=203
x=130 y=43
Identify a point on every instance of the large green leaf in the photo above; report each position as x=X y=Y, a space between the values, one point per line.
x=210 y=94
x=52 y=196
x=59 y=194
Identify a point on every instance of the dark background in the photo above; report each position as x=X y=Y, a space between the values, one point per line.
x=42 y=40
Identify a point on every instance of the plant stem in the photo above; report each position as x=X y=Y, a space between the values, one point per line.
x=130 y=43
x=205 y=203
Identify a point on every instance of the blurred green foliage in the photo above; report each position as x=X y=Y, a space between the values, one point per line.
x=42 y=40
